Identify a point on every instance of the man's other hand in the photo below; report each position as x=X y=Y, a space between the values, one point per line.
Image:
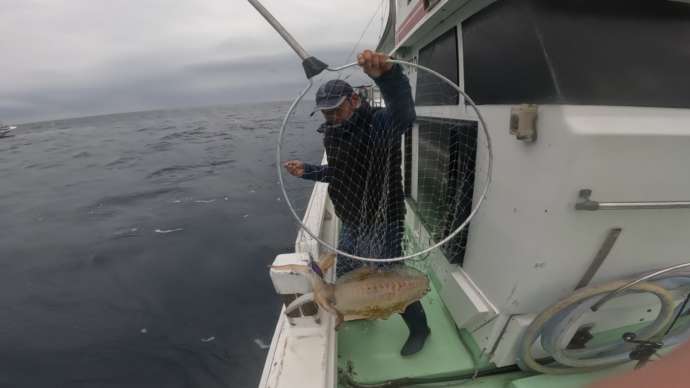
x=374 y=64
x=294 y=167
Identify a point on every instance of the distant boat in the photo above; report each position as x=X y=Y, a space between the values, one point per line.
x=5 y=129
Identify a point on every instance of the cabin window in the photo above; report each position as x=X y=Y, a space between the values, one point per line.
x=607 y=52
x=407 y=166
x=445 y=179
x=440 y=55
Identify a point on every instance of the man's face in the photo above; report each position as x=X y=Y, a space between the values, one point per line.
x=341 y=113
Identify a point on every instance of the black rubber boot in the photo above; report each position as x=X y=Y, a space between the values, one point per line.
x=415 y=319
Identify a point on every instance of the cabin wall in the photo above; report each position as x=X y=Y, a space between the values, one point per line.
x=528 y=247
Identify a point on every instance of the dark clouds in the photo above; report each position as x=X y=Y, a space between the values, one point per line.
x=77 y=57
x=123 y=88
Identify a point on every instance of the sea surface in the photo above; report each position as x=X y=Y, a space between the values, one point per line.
x=134 y=247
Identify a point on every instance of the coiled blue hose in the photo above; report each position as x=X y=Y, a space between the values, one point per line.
x=558 y=323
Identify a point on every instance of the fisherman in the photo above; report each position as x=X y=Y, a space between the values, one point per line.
x=363 y=148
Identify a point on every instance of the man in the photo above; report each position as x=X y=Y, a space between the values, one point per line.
x=363 y=148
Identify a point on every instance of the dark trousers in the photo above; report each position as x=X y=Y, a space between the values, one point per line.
x=370 y=241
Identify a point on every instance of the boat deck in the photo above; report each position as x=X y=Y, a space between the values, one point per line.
x=368 y=351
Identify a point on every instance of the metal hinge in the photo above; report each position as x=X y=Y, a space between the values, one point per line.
x=523 y=122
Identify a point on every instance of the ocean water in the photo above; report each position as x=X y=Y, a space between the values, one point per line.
x=134 y=247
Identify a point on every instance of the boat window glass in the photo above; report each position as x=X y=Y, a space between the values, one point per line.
x=440 y=55
x=447 y=150
x=606 y=52
x=407 y=167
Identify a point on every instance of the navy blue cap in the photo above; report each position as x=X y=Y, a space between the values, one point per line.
x=331 y=94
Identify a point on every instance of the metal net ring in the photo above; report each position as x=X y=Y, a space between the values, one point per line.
x=450 y=236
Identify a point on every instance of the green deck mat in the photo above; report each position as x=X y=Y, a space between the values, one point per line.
x=370 y=350
x=525 y=380
x=498 y=381
x=579 y=380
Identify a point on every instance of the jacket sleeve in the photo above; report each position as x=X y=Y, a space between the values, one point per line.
x=399 y=114
x=316 y=173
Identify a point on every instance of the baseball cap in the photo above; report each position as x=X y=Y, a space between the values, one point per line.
x=331 y=94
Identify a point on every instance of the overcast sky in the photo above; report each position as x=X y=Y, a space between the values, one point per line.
x=70 y=58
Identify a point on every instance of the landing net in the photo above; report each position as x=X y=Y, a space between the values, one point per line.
x=405 y=173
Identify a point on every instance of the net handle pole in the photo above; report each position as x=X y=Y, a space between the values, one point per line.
x=301 y=52
x=312 y=65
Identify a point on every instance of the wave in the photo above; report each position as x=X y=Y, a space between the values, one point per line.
x=172 y=170
x=131 y=198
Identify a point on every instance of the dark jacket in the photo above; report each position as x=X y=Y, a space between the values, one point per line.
x=364 y=157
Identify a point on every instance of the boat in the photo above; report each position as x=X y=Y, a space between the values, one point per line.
x=590 y=198
x=5 y=129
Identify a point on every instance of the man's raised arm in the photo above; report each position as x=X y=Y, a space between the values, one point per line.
x=395 y=88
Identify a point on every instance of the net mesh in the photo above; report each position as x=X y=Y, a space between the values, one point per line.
x=407 y=162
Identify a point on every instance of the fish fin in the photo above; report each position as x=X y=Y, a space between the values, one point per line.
x=326 y=262
x=339 y=319
x=324 y=303
x=351 y=317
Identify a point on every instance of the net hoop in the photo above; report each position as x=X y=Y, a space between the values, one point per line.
x=450 y=236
